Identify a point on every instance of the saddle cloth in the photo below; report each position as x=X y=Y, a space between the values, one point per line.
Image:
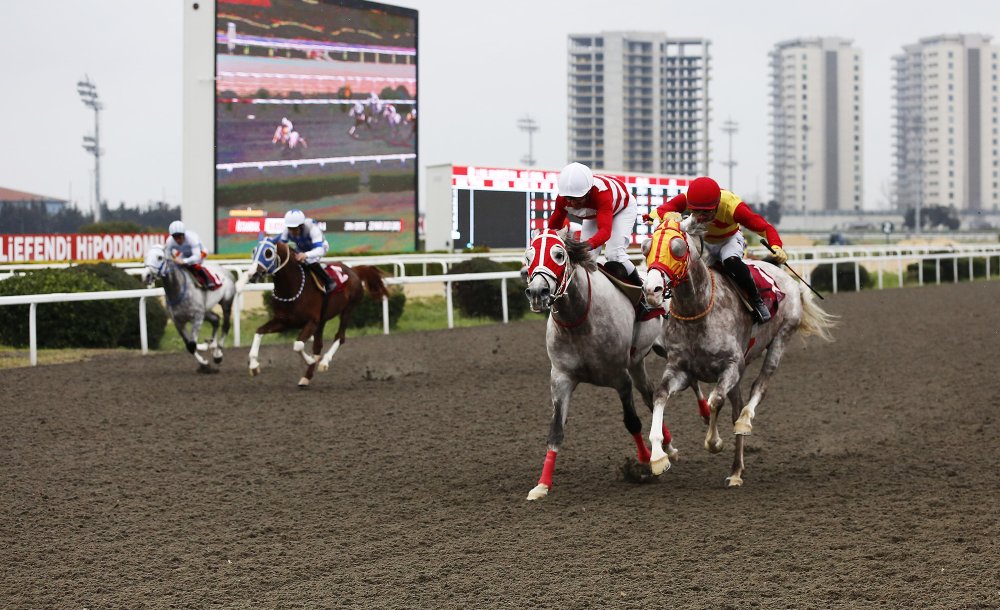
x=336 y=273
x=206 y=278
x=769 y=291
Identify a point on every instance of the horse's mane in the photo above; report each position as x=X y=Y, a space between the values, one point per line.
x=579 y=253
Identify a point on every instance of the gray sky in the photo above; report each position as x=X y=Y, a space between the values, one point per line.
x=483 y=65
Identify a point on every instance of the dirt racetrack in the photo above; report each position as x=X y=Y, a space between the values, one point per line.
x=399 y=479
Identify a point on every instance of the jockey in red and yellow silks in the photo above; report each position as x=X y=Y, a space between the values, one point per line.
x=722 y=213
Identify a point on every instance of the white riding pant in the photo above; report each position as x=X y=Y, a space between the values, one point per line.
x=735 y=245
x=621 y=234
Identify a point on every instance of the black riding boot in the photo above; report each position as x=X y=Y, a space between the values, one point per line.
x=324 y=277
x=633 y=278
x=738 y=270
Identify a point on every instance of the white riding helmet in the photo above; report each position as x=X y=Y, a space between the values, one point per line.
x=575 y=180
x=176 y=227
x=294 y=218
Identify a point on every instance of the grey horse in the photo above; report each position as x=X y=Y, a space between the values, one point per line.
x=188 y=303
x=591 y=337
x=710 y=336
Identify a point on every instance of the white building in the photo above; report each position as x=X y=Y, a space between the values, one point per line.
x=638 y=102
x=816 y=125
x=945 y=130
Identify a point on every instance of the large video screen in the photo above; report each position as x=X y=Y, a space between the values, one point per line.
x=316 y=109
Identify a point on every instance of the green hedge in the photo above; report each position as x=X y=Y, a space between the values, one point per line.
x=77 y=324
x=156 y=315
x=948 y=269
x=822 y=277
x=295 y=189
x=482 y=298
x=369 y=311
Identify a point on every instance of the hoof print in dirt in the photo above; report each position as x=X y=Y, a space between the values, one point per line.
x=634 y=471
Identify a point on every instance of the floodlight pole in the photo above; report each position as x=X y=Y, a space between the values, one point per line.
x=729 y=128
x=92 y=144
x=528 y=124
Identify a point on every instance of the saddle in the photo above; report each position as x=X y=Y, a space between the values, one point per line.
x=336 y=274
x=768 y=289
x=207 y=279
x=635 y=296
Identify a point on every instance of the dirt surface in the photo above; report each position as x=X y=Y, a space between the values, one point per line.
x=399 y=479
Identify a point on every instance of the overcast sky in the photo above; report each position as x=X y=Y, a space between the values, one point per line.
x=483 y=65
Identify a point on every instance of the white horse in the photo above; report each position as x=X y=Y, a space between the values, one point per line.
x=711 y=337
x=591 y=337
x=188 y=302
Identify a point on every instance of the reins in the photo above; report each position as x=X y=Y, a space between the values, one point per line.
x=302 y=285
x=586 y=311
x=711 y=302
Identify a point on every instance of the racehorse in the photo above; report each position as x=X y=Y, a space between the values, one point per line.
x=299 y=302
x=711 y=337
x=188 y=302
x=591 y=337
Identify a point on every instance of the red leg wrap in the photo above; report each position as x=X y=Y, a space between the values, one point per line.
x=641 y=446
x=703 y=408
x=550 y=465
x=667 y=437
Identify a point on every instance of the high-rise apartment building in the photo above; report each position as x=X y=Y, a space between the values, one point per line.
x=945 y=131
x=816 y=125
x=638 y=102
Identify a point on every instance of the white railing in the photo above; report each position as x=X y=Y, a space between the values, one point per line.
x=877 y=257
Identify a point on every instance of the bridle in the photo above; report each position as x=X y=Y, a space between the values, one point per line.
x=562 y=282
x=302 y=283
x=677 y=270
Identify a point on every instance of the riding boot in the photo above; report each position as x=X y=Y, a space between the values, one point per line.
x=738 y=270
x=634 y=278
x=317 y=269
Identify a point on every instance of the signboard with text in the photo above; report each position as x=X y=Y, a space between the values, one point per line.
x=58 y=248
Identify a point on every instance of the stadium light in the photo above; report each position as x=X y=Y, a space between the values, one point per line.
x=529 y=125
x=92 y=144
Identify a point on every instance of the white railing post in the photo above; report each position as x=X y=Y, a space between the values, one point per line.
x=32 y=336
x=834 y=275
x=899 y=265
x=451 y=314
x=503 y=299
x=237 y=314
x=937 y=272
x=385 y=315
x=143 y=335
x=857 y=276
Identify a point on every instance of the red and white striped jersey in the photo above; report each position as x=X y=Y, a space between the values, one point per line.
x=606 y=198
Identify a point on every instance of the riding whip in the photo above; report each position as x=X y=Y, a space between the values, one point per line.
x=768 y=246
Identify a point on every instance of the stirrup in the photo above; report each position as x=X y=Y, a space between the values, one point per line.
x=760 y=312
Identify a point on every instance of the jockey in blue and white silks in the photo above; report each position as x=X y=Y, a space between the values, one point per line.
x=309 y=244
x=185 y=247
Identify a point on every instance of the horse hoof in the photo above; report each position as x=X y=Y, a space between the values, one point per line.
x=539 y=492
x=672 y=454
x=741 y=429
x=217 y=360
x=734 y=481
x=660 y=466
x=714 y=446
x=254 y=371
x=322 y=367
x=303 y=383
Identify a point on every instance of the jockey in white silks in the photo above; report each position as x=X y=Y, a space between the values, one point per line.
x=309 y=244
x=294 y=139
x=358 y=114
x=607 y=211
x=184 y=246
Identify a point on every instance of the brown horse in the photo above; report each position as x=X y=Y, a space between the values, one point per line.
x=299 y=302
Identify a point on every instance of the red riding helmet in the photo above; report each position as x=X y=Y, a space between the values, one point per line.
x=703 y=194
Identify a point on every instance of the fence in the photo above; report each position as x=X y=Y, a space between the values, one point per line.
x=804 y=260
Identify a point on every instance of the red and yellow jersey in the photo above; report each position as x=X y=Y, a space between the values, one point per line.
x=729 y=216
x=606 y=198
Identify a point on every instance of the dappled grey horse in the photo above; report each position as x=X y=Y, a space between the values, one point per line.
x=591 y=337
x=189 y=303
x=711 y=337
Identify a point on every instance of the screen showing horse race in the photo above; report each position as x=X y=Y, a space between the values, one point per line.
x=316 y=109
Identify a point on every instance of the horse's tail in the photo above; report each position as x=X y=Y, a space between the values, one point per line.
x=371 y=277
x=815 y=320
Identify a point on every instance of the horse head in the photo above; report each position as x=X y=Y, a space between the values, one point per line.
x=667 y=258
x=156 y=263
x=266 y=258
x=546 y=261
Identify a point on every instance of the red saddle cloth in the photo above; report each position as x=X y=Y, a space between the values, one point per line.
x=337 y=275
x=768 y=289
x=206 y=278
